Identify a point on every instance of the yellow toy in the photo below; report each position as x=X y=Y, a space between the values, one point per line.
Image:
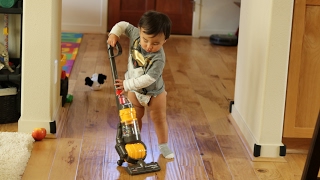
x=128 y=141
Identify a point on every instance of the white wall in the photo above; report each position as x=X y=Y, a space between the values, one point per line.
x=261 y=74
x=215 y=17
x=84 y=16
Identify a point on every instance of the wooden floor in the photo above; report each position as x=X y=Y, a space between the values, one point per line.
x=200 y=81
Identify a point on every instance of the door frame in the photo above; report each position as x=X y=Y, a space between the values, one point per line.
x=196 y=18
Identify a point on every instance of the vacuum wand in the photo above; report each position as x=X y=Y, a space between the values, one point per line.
x=129 y=146
x=113 y=65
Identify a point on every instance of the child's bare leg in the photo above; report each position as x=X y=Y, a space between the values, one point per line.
x=157 y=107
x=137 y=106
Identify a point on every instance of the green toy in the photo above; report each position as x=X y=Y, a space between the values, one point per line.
x=69 y=98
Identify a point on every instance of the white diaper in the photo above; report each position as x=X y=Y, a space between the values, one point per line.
x=143 y=99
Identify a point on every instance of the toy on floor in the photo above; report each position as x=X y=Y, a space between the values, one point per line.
x=69 y=98
x=95 y=81
x=128 y=141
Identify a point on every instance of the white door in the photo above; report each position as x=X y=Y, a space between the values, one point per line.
x=89 y=16
x=215 y=17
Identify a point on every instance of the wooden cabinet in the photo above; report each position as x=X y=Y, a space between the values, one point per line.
x=303 y=90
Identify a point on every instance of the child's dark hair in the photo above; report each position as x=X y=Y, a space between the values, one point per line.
x=154 y=23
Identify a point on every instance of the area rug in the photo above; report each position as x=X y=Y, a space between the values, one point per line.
x=15 y=151
x=70 y=43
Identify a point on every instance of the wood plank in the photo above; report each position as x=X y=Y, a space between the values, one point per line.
x=235 y=156
x=61 y=122
x=267 y=170
x=170 y=169
x=92 y=164
x=95 y=124
x=293 y=164
x=10 y=127
x=218 y=84
x=187 y=152
x=300 y=160
x=66 y=160
x=222 y=126
x=216 y=118
x=76 y=116
x=193 y=172
x=212 y=156
x=286 y=171
x=40 y=162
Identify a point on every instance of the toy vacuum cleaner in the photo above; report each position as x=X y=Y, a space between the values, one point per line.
x=128 y=141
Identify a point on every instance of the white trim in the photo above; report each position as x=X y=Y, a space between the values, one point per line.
x=267 y=150
x=196 y=18
x=245 y=130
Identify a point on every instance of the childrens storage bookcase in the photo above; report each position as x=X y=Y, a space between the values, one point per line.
x=10 y=82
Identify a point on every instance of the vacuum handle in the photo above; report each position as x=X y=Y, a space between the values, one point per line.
x=114 y=67
x=111 y=50
x=112 y=59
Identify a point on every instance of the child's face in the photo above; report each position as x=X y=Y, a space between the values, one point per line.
x=150 y=43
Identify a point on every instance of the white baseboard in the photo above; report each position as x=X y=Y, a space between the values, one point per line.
x=269 y=152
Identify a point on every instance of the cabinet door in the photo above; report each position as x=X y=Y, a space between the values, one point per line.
x=180 y=12
x=127 y=10
x=303 y=91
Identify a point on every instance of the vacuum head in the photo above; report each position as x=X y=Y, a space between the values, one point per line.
x=141 y=168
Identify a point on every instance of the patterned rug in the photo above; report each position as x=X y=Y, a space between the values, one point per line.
x=70 y=43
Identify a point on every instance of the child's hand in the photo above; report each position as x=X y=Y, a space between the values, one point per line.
x=119 y=85
x=112 y=39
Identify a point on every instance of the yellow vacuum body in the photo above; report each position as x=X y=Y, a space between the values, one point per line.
x=131 y=134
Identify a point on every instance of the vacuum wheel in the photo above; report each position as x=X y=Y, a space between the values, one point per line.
x=119 y=162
